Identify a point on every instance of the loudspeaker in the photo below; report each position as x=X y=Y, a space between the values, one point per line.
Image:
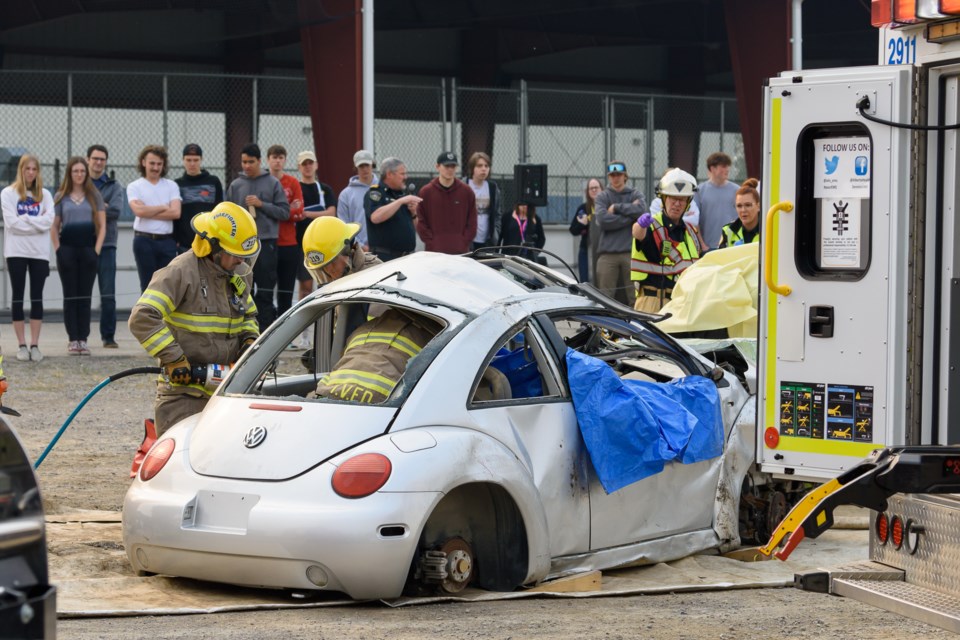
x=531 y=181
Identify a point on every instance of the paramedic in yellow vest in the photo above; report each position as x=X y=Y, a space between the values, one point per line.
x=664 y=244
x=746 y=228
x=198 y=310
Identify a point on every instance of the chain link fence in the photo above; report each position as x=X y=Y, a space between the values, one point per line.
x=56 y=115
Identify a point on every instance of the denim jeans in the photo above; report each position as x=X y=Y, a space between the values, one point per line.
x=107 y=281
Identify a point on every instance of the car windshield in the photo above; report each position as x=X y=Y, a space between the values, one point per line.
x=360 y=352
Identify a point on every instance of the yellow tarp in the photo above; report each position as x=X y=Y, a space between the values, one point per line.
x=718 y=292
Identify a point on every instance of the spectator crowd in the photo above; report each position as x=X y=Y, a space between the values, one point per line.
x=626 y=248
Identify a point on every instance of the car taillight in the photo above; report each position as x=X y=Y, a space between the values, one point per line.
x=896 y=531
x=362 y=475
x=156 y=458
x=882 y=527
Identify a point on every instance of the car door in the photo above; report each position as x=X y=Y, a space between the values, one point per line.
x=520 y=398
x=680 y=498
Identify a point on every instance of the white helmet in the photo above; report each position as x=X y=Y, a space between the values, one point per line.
x=678 y=183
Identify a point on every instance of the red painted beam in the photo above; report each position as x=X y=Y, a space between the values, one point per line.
x=759 y=36
x=332 y=62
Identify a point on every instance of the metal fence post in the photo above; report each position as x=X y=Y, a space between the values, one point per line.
x=454 y=143
x=166 y=126
x=524 y=123
x=605 y=118
x=69 y=114
x=649 y=159
x=613 y=130
x=254 y=112
x=443 y=111
x=723 y=105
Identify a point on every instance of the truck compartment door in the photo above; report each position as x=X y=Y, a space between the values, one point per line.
x=830 y=325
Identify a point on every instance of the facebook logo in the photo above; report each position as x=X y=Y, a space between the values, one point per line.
x=860 y=165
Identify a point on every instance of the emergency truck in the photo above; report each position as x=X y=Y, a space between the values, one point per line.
x=859 y=345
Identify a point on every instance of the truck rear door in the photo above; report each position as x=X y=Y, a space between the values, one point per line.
x=833 y=311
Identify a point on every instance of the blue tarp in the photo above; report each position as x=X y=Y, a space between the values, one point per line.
x=632 y=428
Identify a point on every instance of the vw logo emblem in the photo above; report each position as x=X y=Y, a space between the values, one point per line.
x=255 y=437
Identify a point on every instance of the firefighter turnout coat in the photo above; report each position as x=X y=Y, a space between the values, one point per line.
x=376 y=356
x=193 y=308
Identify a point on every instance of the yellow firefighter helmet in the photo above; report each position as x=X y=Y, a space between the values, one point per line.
x=230 y=226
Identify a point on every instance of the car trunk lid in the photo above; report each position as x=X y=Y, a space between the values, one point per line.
x=265 y=439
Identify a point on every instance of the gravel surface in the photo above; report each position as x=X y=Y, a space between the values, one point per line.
x=89 y=468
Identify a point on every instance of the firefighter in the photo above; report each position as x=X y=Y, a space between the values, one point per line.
x=664 y=243
x=376 y=356
x=331 y=250
x=198 y=310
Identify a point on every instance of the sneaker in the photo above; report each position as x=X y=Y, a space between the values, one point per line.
x=35 y=354
x=83 y=348
x=110 y=343
x=22 y=354
x=293 y=347
x=73 y=348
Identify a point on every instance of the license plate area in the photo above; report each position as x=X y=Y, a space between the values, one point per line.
x=221 y=511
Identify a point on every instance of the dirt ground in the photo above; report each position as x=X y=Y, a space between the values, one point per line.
x=89 y=468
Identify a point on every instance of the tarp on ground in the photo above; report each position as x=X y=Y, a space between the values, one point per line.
x=718 y=292
x=93 y=578
x=632 y=428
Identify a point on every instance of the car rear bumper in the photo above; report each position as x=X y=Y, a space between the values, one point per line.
x=362 y=547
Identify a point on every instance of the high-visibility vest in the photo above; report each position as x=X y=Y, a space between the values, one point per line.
x=674 y=256
x=735 y=236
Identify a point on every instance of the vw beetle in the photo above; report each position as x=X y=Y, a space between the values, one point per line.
x=467 y=474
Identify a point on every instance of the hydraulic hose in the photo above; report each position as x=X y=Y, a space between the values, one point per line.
x=86 y=398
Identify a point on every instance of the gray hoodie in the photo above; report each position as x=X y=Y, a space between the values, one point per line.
x=350 y=206
x=275 y=206
x=615 y=236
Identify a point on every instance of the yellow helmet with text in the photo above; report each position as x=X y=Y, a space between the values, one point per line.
x=229 y=227
x=325 y=239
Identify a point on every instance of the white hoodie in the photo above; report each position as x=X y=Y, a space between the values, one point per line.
x=26 y=225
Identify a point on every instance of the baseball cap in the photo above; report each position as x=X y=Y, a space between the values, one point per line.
x=616 y=167
x=305 y=155
x=363 y=157
x=447 y=158
x=192 y=149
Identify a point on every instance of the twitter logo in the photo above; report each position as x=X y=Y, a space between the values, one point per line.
x=831 y=164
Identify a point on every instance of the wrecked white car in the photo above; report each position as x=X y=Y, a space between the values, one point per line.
x=475 y=469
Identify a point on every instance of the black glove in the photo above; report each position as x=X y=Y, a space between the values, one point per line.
x=244 y=346
x=178 y=371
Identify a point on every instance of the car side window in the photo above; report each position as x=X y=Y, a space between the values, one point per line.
x=518 y=370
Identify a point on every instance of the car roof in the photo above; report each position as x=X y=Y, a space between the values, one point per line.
x=459 y=281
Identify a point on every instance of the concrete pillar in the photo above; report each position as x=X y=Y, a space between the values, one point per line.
x=759 y=35
x=332 y=63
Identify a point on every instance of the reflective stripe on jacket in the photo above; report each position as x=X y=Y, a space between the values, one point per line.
x=733 y=234
x=193 y=308
x=674 y=256
x=375 y=357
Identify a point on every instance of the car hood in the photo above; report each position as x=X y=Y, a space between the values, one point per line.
x=293 y=436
